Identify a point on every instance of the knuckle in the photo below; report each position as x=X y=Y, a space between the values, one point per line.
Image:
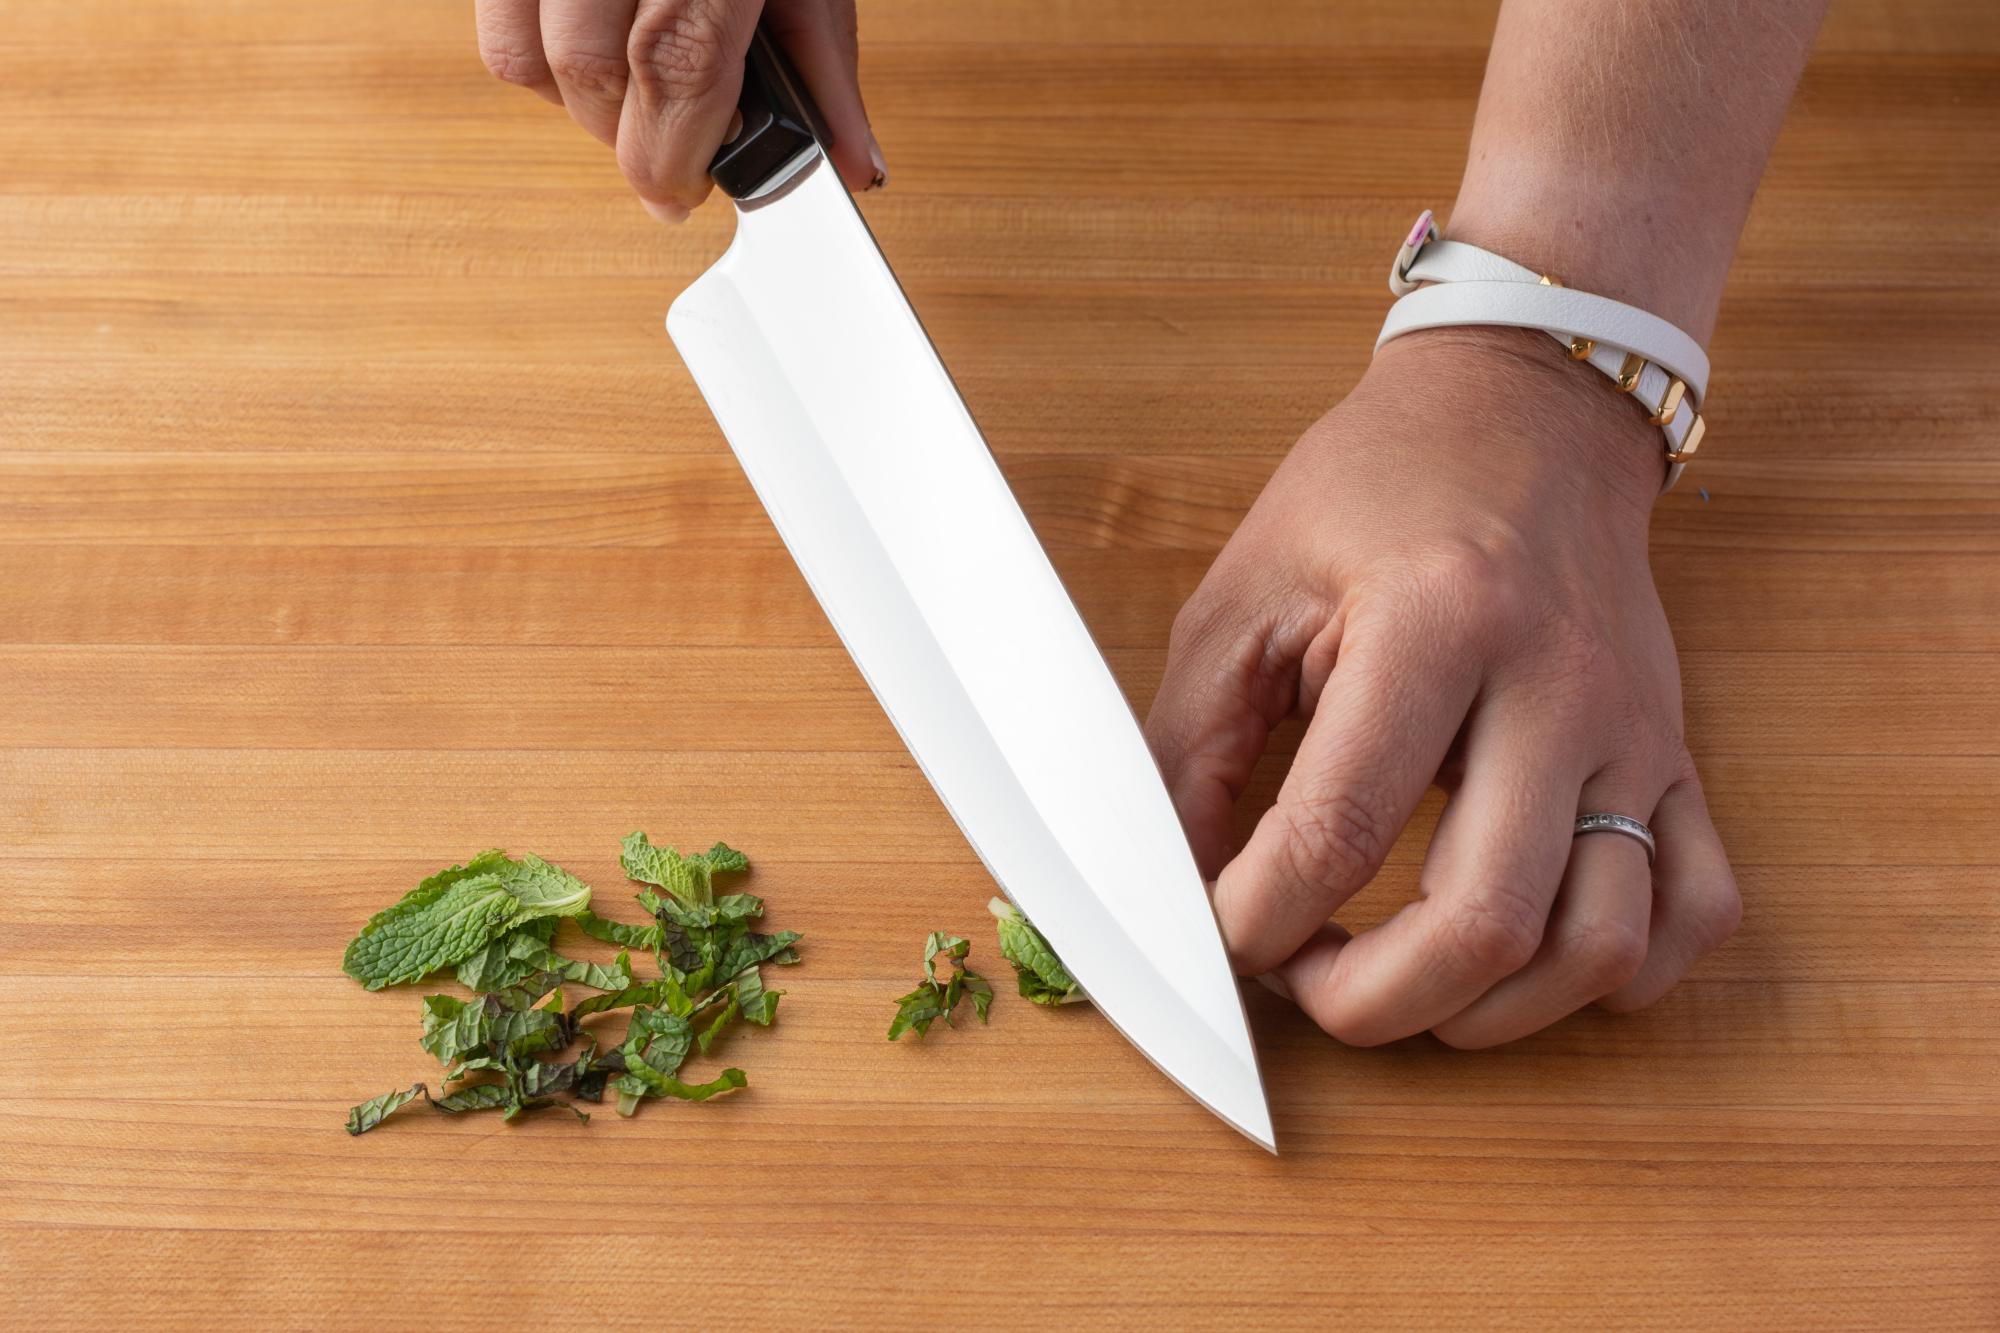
x=1642 y=733
x=1335 y=838
x=513 y=63
x=1191 y=625
x=1607 y=953
x=1493 y=934
x=1481 y=585
x=589 y=72
x=679 y=52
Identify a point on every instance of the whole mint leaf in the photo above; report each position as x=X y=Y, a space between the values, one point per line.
x=457 y=913
x=688 y=878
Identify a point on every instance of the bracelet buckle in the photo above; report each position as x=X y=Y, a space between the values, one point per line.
x=1421 y=234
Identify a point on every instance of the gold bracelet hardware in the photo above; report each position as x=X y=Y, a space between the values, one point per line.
x=1633 y=366
x=1579 y=348
x=1691 y=443
x=1629 y=372
x=1670 y=405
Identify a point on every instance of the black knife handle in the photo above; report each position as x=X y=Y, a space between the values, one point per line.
x=779 y=120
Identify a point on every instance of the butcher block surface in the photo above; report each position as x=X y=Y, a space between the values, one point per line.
x=357 y=515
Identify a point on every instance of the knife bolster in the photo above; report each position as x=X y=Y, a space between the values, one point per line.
x=779 y=124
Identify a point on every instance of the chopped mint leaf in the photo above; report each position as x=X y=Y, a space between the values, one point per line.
x=472 y=1065
x=760 y=1006
x=644 y=1082
x=1043 y=978
x=934 y=999
x=617 y=932
x=657 y=1039
x=506 y=1021
x=377 y=1109
x=655 y=1048
x=708 y=1035
x=526 y=950
x=662 y=991
x=509 y=958
x=458 y=912
x=478 y=1097
x=452 y=1028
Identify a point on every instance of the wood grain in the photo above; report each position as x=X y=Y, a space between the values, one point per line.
x=355 y=515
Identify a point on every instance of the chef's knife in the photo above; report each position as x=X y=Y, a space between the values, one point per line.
x=854 y=437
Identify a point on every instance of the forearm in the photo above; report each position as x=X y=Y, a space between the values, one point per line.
x=1619 y=142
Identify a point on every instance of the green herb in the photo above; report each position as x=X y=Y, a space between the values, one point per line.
x=1043 y=977
x=617 y=932
x=688 y=878
x=477 y=1097
x=373 y=1111
x=472 y=916
x=934 y=999
x=523 y=952
x=655 y=1047
x=456 y=913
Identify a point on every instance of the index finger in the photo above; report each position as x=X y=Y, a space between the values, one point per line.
x=1384 y=722
x=687 y=71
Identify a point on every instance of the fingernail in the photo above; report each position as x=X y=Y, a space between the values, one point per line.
x=1275 y=984
x=881 y=176
x=671 y=214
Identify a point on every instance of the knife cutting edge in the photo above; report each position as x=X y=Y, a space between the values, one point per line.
x=856 y=441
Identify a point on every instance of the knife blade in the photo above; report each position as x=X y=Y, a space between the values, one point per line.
x=858 y=444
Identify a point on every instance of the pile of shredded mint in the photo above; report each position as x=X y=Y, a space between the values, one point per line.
x=494 y=921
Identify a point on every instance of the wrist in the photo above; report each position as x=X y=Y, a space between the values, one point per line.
x=1617 y=236
x=1544 y=422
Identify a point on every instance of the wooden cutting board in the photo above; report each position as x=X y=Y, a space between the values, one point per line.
x=355 y=515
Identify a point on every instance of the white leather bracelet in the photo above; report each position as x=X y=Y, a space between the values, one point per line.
x=1641 y=354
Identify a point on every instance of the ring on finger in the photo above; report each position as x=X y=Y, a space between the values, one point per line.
x=1606 y=822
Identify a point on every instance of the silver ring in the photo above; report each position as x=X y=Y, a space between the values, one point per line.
x=1625 y=824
